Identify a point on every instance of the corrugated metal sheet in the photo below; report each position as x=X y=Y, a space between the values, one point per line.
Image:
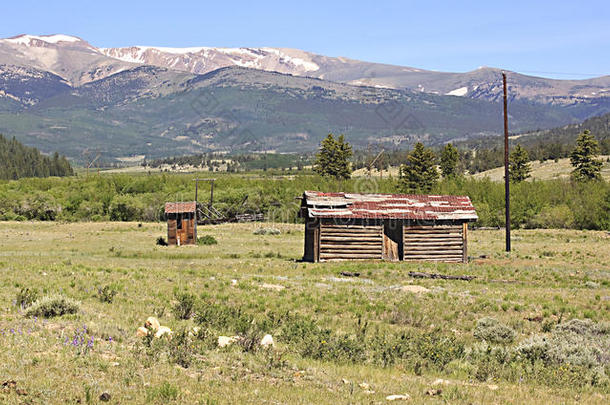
x=178 y=207
x=388 y=206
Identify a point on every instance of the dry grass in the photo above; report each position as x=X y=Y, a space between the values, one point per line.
x=549 y=170
x=550 y=274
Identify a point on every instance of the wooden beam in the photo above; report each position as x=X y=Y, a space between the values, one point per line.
x=465 y=242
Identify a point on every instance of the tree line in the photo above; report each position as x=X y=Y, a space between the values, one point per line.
x=419 y=168
x=20 y=161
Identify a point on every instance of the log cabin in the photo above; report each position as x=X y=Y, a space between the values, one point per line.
x=346 y=226
x=181 y=223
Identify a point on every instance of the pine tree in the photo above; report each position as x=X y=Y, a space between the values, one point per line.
x=586 y=167
x=419 y=174
x=519 y=168
x=333 y=158
x=450 y=159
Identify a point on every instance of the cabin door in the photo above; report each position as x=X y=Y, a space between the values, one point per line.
x=392 y=235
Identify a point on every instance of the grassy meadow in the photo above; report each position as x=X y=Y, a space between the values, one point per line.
x=338 y=339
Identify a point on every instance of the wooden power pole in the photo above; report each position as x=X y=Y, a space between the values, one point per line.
x=506 y=179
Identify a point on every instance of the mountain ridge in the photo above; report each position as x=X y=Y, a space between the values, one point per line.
x=481 y=83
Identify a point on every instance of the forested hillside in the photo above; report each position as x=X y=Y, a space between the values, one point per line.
x=19 y=161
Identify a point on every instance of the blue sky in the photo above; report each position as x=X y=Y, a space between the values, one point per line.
x=563 y=39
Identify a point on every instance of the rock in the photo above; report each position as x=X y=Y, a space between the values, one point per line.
x=105 y=397
x=162 y=331
x=434 y=392
x=267 y=340
x=364 y=386
x=275 y=287
x=416 y=289
x=368 y=392
x=440 y=381
x=344 y=381
x=233 y=282
x=398 y=397
x=152 y=323
x=224 y=341
x=141 y=332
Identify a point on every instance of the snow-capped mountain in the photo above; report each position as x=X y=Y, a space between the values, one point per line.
x=79 y=62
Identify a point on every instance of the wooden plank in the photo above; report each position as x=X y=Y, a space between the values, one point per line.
x=433 y=243
x=465 y=243
x=335 y=226
x=349 y=243
x=316 y=244
x=355 y=250
x=367 y=239
x=417 y=250
x=457 y=252
x=352 y=235
x=433 y=228
x=350 y=257
x=419 y=274
x=433 y=236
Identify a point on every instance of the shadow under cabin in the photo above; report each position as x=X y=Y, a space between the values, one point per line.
x=352 y=226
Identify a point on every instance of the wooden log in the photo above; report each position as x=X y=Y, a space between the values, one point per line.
x=465 y=242
x=367 y=239
x=358 y=251
x=351 y=235
x=436 y=228
x=414 y=252
x=435 y=243
x=349 y=243
x=329 y=226
x=417 y=274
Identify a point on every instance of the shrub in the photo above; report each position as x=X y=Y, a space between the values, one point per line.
x=53 y=305
x=184 y=307
x=206 y=240
x=267 y=231
x=576 y=342
x=25 y=297
x=106 y=294
x=180 y=348
x=492 y=331
x=558 y=217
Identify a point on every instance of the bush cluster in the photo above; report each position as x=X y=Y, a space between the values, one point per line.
x=120 y=197
x=52 y=305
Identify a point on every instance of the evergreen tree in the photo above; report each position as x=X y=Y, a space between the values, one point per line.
x=333 y=158
x=450 y=159
x=419 y=174
x=586 y=167
x=18 y=160
x=519 y=168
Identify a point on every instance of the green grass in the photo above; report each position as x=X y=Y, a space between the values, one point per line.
x=552 y=276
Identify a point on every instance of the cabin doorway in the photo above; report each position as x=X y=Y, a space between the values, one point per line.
x=392 y=236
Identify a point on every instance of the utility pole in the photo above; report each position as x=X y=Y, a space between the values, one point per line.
x=506 y=179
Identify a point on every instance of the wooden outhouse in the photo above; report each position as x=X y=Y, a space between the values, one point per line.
x=181 y=223
x=344 y=226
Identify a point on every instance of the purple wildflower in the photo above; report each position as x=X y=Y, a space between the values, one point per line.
x=90 y=343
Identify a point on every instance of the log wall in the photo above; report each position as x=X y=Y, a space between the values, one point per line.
x=443 y=243
x=350 y=242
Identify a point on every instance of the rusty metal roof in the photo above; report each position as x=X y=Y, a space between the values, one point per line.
x=178 y=207
x=388 y=206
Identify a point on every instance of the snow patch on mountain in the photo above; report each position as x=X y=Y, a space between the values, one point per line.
x=461 y=92
x=51 y=39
